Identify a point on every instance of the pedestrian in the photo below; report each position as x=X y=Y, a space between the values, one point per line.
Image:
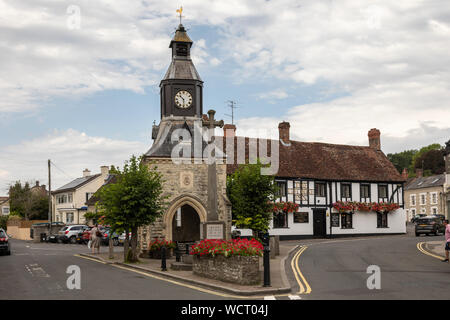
x=447 y=240
x=95 y=237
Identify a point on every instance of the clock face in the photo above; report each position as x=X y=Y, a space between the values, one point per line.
x=183 y=99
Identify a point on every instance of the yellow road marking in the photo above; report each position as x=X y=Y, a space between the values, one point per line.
x=421 y=249
x=303 y=284
x=181 y=283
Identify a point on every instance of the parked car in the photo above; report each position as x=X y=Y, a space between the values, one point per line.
x=70 y=233
x=418 y=216
x=5 y=246
x=429 y=225
x=440 y=216
x=83 y=236
x=105 y=237
x=122 y=238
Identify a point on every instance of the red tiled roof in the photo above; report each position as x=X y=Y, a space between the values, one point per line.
x=330 y=162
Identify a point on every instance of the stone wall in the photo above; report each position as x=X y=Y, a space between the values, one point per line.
x=236 y=269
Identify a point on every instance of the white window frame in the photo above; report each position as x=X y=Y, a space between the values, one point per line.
x=434 y=208
x=411 y=197
x=413 y=212
x=424 y=198
x=423 y=210
x=431 y=198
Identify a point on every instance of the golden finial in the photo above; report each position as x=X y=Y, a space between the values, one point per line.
x=180 y=11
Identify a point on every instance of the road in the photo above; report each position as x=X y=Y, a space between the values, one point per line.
x=327 y=269
x=38 y=271
x=338 y=269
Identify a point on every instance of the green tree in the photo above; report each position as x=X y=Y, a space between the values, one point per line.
x=402 y=160
x=432 y=162
x=250 y=194
x=134 y=200
x=26 y=203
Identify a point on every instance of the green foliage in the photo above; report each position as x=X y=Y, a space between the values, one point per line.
x=402 y=159
x=3 y=221
x=134 y=200
x=27 y=204
x=250 y=194
x=430 y=158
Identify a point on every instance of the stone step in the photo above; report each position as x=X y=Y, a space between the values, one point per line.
x=187 y=258
x=180 y=266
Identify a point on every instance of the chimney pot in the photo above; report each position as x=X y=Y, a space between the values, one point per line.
x=374 y=139
x=405 y=174
x=229 y=130
x=419 y=173
x=283 y=131
x=86 y=173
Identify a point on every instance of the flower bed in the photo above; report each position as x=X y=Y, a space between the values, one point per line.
x=235 y=261
x=154 y=248
x=235 y=247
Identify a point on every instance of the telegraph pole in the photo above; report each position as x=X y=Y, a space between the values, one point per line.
x=50 y=215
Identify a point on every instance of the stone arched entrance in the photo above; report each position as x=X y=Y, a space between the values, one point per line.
x=186 y=225
x=183 y=219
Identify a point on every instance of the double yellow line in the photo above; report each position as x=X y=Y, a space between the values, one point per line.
x=303 y=284
x=421 y=249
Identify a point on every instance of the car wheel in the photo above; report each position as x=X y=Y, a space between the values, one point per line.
x=8 y=253
x=73 y=240
x=115 y=242
x=417 y=234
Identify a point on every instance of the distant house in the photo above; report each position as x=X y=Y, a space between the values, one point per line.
x=39 y=189
x=69 y=201
x=428 y=195
x=4 y=206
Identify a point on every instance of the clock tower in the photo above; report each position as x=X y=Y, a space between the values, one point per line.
x=181 y=87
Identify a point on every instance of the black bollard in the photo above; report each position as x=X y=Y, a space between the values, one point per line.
x=177 y=253
x=163 y=258
x=266 y=259
x=187 y=248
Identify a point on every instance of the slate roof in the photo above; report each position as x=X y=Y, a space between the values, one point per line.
x=324 y=161
x=75 y=184
x=94 y=199
x=163 y=145
x=426 y=182
x=182 y=69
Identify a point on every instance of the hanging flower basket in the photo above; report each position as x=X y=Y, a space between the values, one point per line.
x=284 y=206
x=351 y=206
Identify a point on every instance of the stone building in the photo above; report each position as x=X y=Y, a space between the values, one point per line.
x=429 y=195
x=196 y=189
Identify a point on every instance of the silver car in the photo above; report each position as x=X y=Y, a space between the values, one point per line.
x=70 y=233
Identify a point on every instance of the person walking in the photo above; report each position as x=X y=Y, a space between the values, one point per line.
x=447 y=240
x=95 y=238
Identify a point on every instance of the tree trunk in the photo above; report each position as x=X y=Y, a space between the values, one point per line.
x=134 y=253
x=111 y=248
x=126 y=245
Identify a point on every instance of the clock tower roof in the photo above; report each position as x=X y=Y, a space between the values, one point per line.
x=180 y=36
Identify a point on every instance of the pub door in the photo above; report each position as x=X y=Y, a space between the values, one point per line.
x=319 y=224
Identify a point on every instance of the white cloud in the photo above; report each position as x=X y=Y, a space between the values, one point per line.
x=276 y=94
x=72 y=151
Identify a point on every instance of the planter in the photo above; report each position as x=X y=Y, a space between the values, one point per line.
x=242 y=270
x=156 y=254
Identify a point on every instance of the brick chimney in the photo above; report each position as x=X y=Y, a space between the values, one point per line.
x=405 y=174
x=283 y=129
x=37 y=183
x=229 y=130
x=419 y=173
x=374 y=139
x=86 y=173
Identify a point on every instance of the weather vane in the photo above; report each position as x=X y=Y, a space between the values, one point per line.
x=180 y=11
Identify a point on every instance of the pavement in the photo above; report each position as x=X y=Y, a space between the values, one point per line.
x=279 y=281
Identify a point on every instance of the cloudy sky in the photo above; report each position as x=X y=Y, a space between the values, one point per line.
x=79 y=79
